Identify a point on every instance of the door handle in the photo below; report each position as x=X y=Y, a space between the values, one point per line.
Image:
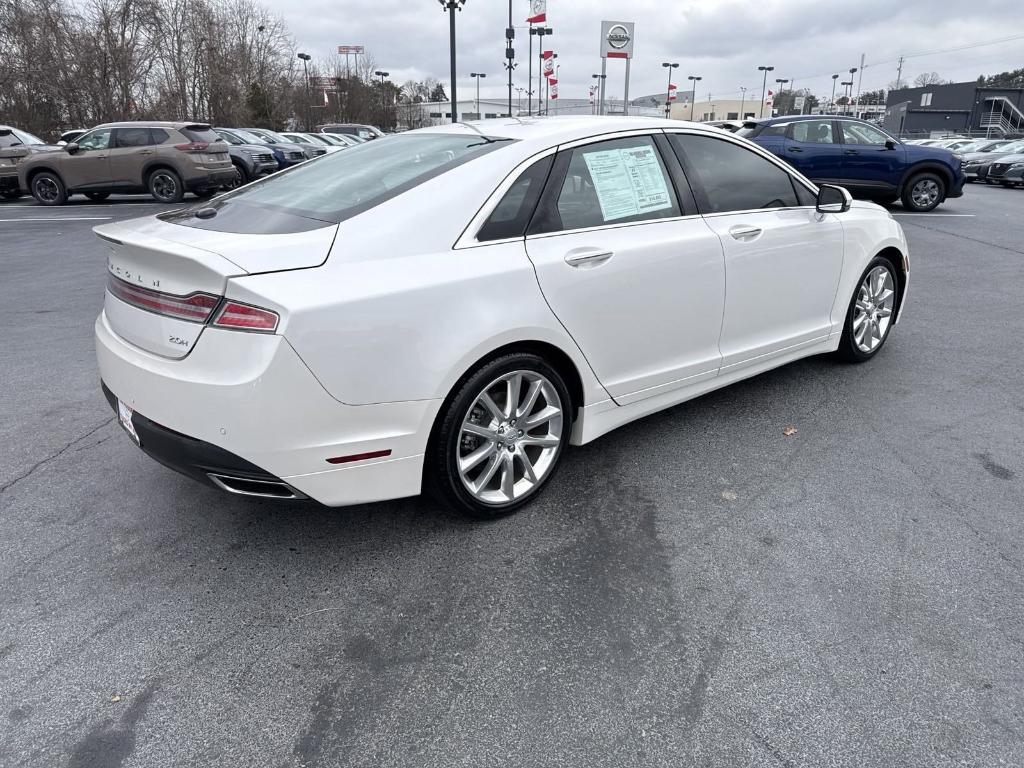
x=851 y=152
x=795 y=149
x=587 y=257
x=743 y=232
x=146 y=152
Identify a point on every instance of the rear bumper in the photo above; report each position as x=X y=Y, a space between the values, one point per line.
x=193 y=458
x=213 y=180
x=246 y=402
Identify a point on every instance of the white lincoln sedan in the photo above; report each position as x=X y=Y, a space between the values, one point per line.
x=449 y=309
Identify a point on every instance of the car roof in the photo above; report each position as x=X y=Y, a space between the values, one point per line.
x=559 y=130
x=175 y=124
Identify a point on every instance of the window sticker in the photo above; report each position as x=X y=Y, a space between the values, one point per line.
x=628 y=181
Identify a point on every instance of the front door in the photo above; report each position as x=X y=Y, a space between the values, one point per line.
x=90 y=165
x=783 y=259
x=636 y=280
x=873 y=161
x=813 y=148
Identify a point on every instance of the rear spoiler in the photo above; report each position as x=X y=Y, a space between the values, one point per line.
x=5 y=131
x=198 y=127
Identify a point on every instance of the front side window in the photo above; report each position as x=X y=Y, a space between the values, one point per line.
x=858 y=133
x=612 y=182
x=731 y=177
x=98 y=139
x=814 y=132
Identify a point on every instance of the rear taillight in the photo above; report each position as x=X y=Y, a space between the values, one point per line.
x=245 y=317
x=193 y=146
x=196 y=307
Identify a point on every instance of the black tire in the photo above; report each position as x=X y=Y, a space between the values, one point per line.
x=243 y=177
x=442 y=478
x=165 y=185
x=12 y=194
x=48 y=189
x=849 y=350
x=97 y=197
x=914 y=192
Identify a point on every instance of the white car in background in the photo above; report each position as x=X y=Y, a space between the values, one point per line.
x=311 y=139
x=451 y=308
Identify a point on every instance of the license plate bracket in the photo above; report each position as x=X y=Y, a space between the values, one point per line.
x=124 y=415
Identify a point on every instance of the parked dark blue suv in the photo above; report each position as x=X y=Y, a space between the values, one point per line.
x=861 y=157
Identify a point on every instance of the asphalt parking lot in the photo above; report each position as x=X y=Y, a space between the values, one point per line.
x=694 y=589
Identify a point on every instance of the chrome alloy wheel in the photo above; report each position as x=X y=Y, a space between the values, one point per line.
x=925 y=193
x=46 y=189
x=873 y=310
x=510 y=437
x=165 y=186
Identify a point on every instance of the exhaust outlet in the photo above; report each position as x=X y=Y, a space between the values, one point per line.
x=248 y=486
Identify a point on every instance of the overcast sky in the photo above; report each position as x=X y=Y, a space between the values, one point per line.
x=724 y=41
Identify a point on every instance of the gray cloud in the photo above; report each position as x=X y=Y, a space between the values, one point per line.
x=722 y=40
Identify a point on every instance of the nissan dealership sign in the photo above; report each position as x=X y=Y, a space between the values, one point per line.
x=617 y=39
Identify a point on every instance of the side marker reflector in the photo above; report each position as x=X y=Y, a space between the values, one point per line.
x=359 y=457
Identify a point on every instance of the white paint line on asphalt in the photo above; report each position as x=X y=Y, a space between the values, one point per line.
x=63 y=218
x=930 y=215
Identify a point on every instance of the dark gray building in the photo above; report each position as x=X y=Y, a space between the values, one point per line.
x=955 y=108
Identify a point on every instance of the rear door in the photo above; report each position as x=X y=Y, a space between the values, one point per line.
x=130 y=149
x=630 y=270
x=783 y=260
x=90 y=165
x=813 y=148
x=872 y=160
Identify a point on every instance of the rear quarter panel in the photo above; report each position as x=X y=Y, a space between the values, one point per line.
x=396 y=313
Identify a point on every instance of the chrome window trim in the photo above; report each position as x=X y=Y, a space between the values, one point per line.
x=602 y=227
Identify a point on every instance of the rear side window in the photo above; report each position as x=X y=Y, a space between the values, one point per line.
x=730 y=177
x=512 y=215
x=344 y=184
x=621 y=181
x=158 y=135
x=16 y=137
x=775 y=130
x=133 y=137
x=814 y=132
x=199 y=133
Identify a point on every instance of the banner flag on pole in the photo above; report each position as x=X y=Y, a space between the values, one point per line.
x=554 y=90
x=538 y=12
x=552 y=81
x=549 y=67
x=547 y=55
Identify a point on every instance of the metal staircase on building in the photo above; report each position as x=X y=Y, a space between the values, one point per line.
x=1002 y=115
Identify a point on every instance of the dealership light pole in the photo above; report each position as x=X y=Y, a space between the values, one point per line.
x=833 y=102
x=600 y=89
x=853 y=71
x=693 y=97
x=383 y=102
x=669 y=65
x=510 y=55
x=764 y=86
x=847 y=84
x=305 y=68
x=476 y=76
x=743 y=100
x=452 y=6
x=782 y=84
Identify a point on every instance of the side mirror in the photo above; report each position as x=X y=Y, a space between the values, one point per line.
x=71 y=147
x=890 y=144
x=832 y=199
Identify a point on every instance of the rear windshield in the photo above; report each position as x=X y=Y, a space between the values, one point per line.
x=747 y=130
x=248 y=138
x=338 y=186
x=200 y=133
x=16 y=137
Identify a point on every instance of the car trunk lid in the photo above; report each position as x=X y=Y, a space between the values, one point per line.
x=165 y=280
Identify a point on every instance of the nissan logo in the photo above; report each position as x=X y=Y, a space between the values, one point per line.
x=618 y=36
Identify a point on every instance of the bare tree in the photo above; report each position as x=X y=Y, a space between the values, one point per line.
x=928 y=78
